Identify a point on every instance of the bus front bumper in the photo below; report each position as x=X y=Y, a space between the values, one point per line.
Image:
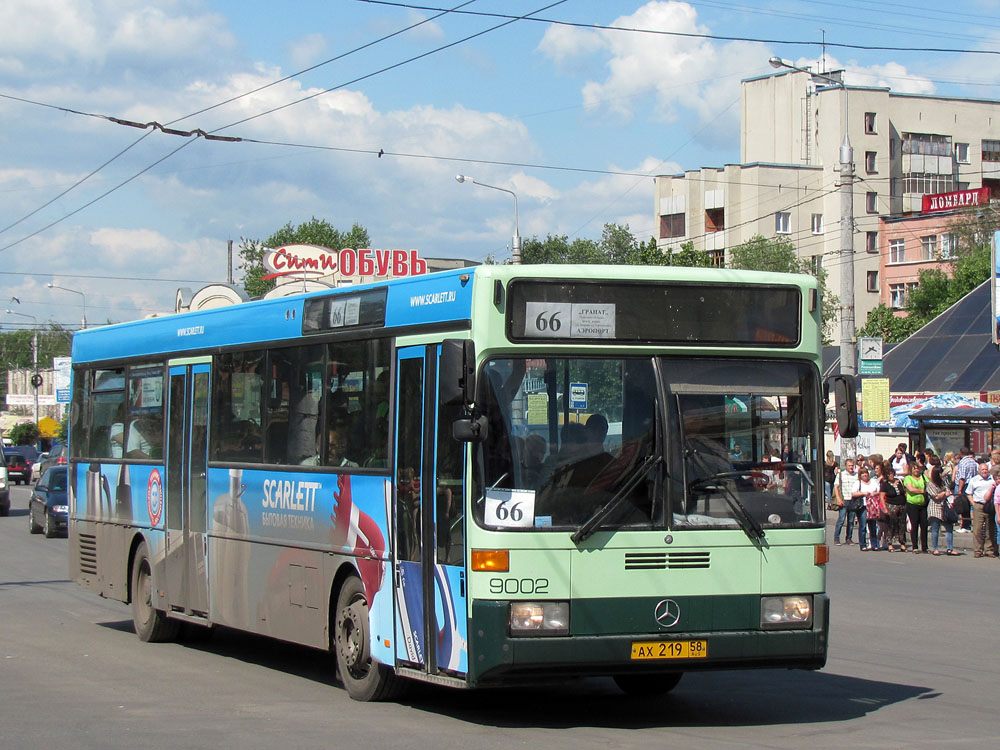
x=496 y=658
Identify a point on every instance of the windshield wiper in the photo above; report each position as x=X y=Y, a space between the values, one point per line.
x=594 y=522
x=747 y=522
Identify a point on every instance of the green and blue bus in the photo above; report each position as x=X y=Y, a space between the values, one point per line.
x=480 y=477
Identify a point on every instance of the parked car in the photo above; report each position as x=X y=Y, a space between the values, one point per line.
x=48 y=507
x=36 y=466
x=18 y=468
x=57 y=457
x=4 y=486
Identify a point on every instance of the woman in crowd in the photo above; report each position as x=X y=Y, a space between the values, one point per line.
x=948 y=469
x=901 y=461
x=916 y=506
x=937 y=501
x=829 y=477
x=874 y=508
x=895 y=504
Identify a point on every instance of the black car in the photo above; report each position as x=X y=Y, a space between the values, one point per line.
x=18 y=468
x=4 y=486
x=48 y=508
x=55 y=457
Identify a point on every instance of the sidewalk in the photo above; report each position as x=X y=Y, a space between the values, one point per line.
x=963 y=542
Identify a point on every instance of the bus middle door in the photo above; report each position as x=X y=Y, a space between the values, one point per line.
x=430 y=578
x=185 y=498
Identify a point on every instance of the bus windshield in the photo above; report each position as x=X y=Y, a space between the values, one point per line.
x=648 y=443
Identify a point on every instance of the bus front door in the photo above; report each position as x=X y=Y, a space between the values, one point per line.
x=185 y=498
x=429 y=538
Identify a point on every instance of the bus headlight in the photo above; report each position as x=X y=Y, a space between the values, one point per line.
x=539 y=618
x=786 y=612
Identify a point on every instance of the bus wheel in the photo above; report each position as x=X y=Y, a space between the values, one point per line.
x=151 y=625
x=647 y=684
x=363 y=678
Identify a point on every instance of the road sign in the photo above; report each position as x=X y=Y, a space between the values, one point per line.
x=577 y=395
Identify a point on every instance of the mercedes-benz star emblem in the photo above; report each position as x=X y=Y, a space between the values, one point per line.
x=667 y=613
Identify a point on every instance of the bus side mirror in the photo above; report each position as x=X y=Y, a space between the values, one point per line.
x=845 y=404
x=469 y=429
x=457 y=381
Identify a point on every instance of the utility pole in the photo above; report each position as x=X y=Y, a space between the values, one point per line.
x=848 y=352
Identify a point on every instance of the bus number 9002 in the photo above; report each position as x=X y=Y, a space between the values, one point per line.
x=519 y=585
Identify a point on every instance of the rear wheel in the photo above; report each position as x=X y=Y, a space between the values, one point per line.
x=363 y=678
x=647 y=684
x=151 y=625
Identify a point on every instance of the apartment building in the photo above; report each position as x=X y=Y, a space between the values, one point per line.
x=793 y=123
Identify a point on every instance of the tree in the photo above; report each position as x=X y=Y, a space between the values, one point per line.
x=558 y=249
x=16 y=354
x=883 y=323
x=760 y=254
x=313 y=232
x=24 y=433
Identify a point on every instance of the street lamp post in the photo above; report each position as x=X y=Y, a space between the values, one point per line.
x=50 y=285
x=34 y=355
x=848 y=353
x=515 y=247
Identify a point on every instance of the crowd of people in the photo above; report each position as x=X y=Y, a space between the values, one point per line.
x=896 y=503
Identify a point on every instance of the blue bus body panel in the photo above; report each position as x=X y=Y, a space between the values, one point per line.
x=418 y=300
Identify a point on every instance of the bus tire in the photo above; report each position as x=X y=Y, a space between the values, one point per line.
x=647 y=684
x=151 y=624
x=363 y=678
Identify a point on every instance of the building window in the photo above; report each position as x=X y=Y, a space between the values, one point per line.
x=873 y=281
x=782 y=222
x=870 y=122
x=715 y=219
x=718 y=258
x=671 y=225
x=991 y=150
x=871 y=162
x=817 y=263
x=871 y=242
x=817 y=223
x=962 y=153
x=949 y=244
x=897 y=250
x=897 y=296
x=927 y=144
x=892 y=148
x=871 y=202
x=928 y=247
x=927 y=184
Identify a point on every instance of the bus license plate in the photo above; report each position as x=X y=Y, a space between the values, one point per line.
x=669 y=649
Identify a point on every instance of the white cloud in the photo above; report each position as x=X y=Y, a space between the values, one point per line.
x=308 y=50
x=680 y=73
x=889 y=75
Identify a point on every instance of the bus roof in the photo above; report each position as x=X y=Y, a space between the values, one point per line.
x=443 y=299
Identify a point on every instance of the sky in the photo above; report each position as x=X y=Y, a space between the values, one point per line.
x=573 y=116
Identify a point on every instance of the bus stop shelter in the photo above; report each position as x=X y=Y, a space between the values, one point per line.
x=946 y=429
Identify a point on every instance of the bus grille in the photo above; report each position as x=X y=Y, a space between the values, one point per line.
x=683 y=560
x=88 y=554
x=645 y=561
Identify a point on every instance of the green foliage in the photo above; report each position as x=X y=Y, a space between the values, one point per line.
x=559 y=250
x=688 y=256
x=882 y=322
x=24 y=433
x=313 y=232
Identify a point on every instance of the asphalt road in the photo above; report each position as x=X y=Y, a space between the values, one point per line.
x=912 y=665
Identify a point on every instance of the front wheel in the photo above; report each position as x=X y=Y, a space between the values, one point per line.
x=647 y=684
x=151 y=625
x=49 y=531
x=363 y=678
x=33 y=528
